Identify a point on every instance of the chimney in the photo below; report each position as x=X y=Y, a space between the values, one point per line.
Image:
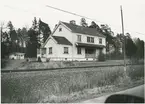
x=73 y=22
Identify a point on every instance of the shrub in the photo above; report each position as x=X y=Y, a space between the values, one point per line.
x=114 y=56
x=48 y=59
x=27 y=60
x=39 y=59
x=101 y=56
x=136 y=72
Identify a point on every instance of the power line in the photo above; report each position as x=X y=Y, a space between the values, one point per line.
x=87 y=17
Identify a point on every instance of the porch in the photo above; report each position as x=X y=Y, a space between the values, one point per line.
x=91 y=50
x=90 y=53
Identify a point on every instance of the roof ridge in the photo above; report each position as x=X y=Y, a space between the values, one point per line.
x=83 y=30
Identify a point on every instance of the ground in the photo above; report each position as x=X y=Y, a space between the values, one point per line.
x=67 y=85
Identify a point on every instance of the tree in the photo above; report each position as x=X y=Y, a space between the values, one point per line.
x=10 y=26
x=130 y=47
x=140 y=48
x=23 y=37
x=94 y=25
x=83 y=22
x=5 y=41
x=117 y=45
x=12 y=32
x=32 y=44
x=44 y=29
x=35 y=24
x=106 y=30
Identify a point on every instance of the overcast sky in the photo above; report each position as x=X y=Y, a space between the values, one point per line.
x=22 y=12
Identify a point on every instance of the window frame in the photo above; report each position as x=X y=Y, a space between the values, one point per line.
x=79 y=38
x=65 y=50
x=90 y=39
x=100 y=40
x=79 y=50
x=50 y=52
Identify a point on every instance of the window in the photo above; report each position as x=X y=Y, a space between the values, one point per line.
x=60 y=29
x=79 y=38
x=50 y=50
x=90 y=39
x=43 y=50
x=65 y=50
x=100 y=41
x=79 y=50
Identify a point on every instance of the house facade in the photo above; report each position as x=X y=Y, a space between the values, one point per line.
x=72 y=42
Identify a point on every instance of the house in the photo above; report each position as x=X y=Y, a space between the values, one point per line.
x=16 y=55
x=69 y=41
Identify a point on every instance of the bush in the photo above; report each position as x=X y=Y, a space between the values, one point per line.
x=27 y=60
x=39 y=59
x=101 y=56
x=114 y=56
x=136 y=72
x=48 y=59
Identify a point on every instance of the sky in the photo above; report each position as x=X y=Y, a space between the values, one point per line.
x=22 y=12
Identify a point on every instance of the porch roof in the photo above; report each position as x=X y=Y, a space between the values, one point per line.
x=89 y=45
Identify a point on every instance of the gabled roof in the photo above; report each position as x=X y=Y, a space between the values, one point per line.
x=83 y=30
x=62 y=40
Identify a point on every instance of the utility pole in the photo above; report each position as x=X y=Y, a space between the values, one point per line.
x=124 y=38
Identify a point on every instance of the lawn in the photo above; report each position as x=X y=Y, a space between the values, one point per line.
x=64 y=85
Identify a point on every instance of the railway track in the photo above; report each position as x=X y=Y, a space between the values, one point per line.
x=67 y=68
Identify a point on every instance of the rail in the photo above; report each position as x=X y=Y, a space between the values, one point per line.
x=46 y=69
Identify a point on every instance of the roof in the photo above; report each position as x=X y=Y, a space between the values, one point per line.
x=89 y=45
x=83 y=30
x=62 y=40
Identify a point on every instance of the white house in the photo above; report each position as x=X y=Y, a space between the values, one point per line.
x=69 y=41
x=16 y=55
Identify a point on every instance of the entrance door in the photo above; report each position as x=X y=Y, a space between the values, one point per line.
x=90 y=53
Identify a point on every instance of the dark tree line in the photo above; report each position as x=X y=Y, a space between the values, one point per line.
x=24 y=40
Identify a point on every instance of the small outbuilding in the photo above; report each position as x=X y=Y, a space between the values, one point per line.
x=17 y=55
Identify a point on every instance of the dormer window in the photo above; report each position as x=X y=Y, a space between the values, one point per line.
x=60 y=29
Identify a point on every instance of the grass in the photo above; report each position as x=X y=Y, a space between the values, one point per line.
x=63 y=85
